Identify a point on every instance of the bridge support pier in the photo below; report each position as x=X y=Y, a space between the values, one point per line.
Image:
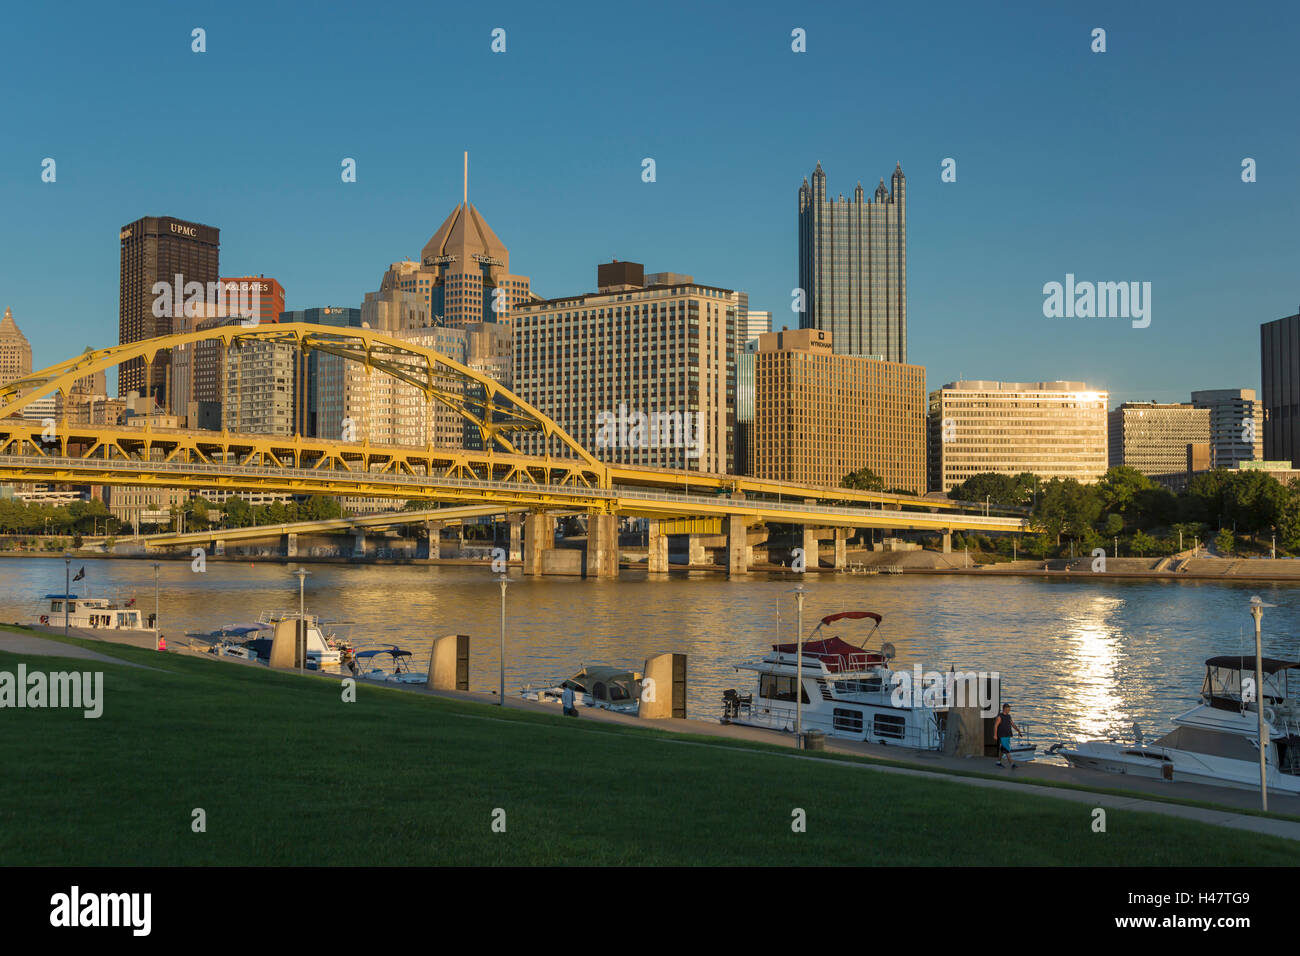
x=218 y=548
x=656 y=549
x=811 y=548
x=602 y=546
x=516 y=537
x=433 y=532
x=539 y=537
x=695 y=553
x=289 y=545
x=947 y=542
x=737 y=545
x=842 y=548
x=359 y=544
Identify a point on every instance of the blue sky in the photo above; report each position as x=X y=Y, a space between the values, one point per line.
x=1119 y=166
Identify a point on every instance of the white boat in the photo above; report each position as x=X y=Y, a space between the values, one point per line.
x=93 y=613
x=398 y=660
x=324 y=648
x=849 y=692
x=230 y=641
x=606 y=688
x=1217 y=741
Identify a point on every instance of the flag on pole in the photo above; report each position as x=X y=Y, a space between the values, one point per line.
x=80 y=574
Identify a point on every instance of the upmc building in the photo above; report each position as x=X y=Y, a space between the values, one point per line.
x=157 y=249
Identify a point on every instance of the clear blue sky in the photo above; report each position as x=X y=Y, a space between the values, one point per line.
x=1117 y=166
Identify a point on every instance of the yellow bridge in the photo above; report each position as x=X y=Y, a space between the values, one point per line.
x=564 y=478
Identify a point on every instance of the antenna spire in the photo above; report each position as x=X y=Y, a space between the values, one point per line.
x=466 y=193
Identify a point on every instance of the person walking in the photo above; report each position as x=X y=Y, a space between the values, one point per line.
x=1003 y=730
x=566 y=698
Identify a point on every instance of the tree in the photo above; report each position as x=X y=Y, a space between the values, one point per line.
x=1119 y=488
x=1224 y=542
x=864 y=479
x=997 y=488
x=1141 y=542
x=1067 y=507
x=1114 y=524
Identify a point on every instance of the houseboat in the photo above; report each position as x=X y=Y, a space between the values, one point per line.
x=92 y=613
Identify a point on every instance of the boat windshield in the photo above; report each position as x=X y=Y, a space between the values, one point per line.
x=1224 y=678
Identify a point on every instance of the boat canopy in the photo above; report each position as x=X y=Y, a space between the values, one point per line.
x=60 y=597
x=836 y=654
x=851 y=616
x=1244 y=662
x=395 y=651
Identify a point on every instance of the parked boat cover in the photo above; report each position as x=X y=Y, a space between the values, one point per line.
x=834 y=653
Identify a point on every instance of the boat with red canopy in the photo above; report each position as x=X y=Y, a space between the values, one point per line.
x=852 y=691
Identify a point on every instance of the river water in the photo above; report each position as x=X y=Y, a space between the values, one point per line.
x=1077 y=657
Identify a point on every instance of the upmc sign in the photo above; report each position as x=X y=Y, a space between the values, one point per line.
x=191 y=231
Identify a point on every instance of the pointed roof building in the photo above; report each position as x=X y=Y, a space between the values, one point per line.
x=15 y=350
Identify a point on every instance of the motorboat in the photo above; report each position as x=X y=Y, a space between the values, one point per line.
x=854 y=693
x=606 y=688
x=398 y=661
x=92 y=613
x=229 y=641
x=1217 y=741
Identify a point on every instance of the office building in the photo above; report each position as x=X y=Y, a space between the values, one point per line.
x=819 y=416
x=1154 y=437
x=183 y=257
x=322 y=368
x=853 y=266
x=1236 y=425
x=1050 y=429
x=637 y=374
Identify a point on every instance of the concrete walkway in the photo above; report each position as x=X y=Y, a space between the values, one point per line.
x=30 y=645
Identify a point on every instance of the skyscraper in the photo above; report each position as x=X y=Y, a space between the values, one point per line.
x=1236 y=425
x=158 y=249
x=15 y=350
x=853 y=266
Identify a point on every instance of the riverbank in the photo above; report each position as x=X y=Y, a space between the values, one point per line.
x=860 y=563
x=285 y=771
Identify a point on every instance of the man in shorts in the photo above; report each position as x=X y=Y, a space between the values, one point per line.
x=1003 y=730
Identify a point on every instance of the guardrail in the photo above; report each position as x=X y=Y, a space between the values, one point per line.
x=715 y=502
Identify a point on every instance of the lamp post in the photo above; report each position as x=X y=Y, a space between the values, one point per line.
x=1257 y=612
x=799 y=593
x=986 y=505
x=67 y=588
x=302 y=619
x=157 y=624
x=504 y=580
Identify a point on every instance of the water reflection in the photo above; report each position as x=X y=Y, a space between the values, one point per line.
x=1079 y=658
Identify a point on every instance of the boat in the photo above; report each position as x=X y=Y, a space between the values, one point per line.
x=1217 y=741
x=229 y=641
x=605 y=688
x=398 y=659
x=93 y=613
x=849 y=692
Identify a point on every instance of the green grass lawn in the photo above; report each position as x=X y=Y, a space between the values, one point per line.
x=289 y=774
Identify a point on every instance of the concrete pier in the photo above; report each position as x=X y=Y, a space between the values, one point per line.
x=657 y=549
x=602 y=546
x=738 y=552
x=449 y=663
x=539 y=537
x=516 y=537
x=288 y=545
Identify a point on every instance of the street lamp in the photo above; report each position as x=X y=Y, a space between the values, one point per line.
x=504 y=580
x=157 y=624
x=302 y=619
x=986 y=505
x=1257 y=612
x=67 y=588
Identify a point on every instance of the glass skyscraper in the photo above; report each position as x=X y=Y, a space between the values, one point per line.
x=853 y=266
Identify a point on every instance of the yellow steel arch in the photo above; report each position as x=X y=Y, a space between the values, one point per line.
x=498 y=414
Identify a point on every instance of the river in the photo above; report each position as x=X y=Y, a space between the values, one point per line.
x=1077 y=658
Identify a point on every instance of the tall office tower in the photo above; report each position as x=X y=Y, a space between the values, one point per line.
x=15 y=350
x=198 y=370
x=159 y=250
x=392 y=310
x=853 y=266
x=1279 y=359
x=1238 y=427
x=464 y=272
x=742 y=462
x=636 y=374
x=322 y=369
x=1050 y=429
x=1153 y=438
x=260 y=397
x=819 y=416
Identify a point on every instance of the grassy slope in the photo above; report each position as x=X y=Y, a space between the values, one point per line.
x=289 y=774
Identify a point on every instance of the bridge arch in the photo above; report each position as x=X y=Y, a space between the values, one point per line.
x=498 y=414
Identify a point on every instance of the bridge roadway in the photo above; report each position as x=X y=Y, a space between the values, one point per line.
x=623 y=500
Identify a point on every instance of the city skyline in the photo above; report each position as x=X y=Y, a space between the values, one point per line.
x=1084 y=192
